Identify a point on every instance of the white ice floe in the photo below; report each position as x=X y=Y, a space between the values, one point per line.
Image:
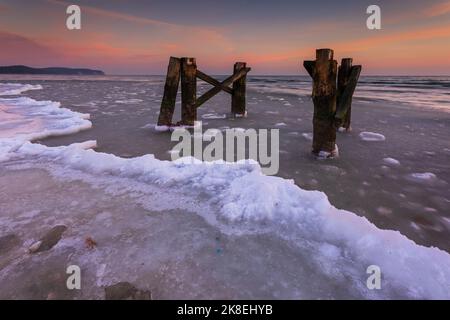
x=91 y=104
x=10 y=89
x=252 y=202
x=27 y=119
x=425 y=176
x=129 y=101
x=237 y=115
x=324 y=155
x=161 y=128
x=371 y=136
x=148 y=126
x=307 y=136
x=391 y=161
x=213 y=116
x=339 y=244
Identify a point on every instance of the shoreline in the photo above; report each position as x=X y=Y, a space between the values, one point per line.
x=332 y=172
x=377 y=191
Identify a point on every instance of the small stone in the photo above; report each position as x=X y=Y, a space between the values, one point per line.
x=126 y=291
x=35 y=247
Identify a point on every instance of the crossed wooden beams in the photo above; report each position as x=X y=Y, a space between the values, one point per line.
x=186 y=70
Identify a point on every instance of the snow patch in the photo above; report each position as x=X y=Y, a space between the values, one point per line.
x=27 y=119
x=251 y=202
x=391 y=161
x=213 y=116
x=11 y=89
x=128 y=101
x=371 y=136
x=159 y=128
x=426 y=176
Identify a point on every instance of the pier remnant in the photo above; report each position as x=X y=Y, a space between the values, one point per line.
x=185 y=69
x=323 y=72
x=170 y=92
x=332 y=101
x=188 y=91
x=348 y=76
x=239 y=86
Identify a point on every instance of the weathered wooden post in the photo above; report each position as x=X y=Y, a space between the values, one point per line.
x=343 y=76
x=348 y=76
x=186 y=70
x=324 y=72
x=170 y=93
x=238 y=103
x=188 y=91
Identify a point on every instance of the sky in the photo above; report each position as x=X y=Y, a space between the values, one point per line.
x=273 y=37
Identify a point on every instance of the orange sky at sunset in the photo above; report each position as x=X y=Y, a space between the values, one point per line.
x=132 y=37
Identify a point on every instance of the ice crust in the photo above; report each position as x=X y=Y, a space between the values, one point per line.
x=246 y=200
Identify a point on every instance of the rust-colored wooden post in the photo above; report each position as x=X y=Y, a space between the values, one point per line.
x=170 y=92
x=188 y=91
x=238 y=103
x=347 y=80
x=324 y=72
x=343 y=76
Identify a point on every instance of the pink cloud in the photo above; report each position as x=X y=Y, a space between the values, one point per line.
x=202 y=33
x=438 y=9
x=17 y=49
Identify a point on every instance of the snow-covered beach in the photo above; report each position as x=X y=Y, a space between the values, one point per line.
x=219 y=231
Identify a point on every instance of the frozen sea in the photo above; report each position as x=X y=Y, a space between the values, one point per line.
x=218 y=231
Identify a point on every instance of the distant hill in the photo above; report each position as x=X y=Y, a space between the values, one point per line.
x=50 y=71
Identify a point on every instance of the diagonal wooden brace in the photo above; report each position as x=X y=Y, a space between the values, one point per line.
x=211 y=93
x=212 y=81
